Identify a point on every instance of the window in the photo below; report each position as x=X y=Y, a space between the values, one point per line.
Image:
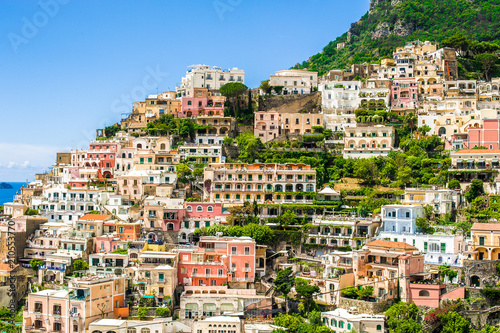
x=189 y=208
x=423 y=293
x=481 y=240
x=210 y=209
x=247 y=250
x=234 y=250
x=199 y=208
x=379 y=327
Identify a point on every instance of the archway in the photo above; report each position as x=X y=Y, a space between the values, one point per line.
x=442 y=131
x=475 y=281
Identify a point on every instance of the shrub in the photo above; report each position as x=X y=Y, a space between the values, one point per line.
x=142 y=313
x=163 y=312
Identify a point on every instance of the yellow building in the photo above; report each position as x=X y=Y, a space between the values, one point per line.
x=485 y=241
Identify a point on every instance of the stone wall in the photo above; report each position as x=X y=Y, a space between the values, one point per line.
x=291 y=103
x=231 y=152
x=364 y=306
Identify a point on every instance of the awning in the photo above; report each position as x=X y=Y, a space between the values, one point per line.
x=373 y=270
x=481 y=160
x=470 y=160
x=148 y=296
x=495 y=160
x=459 y=160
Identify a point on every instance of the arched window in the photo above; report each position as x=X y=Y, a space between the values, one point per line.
x=341 y=324
x=310 y=188
x=162 y=146
x=139 y=146
x=145 y=330
x=170 y=226
x=123 y=155
x=423 y=293
x=129 y=155
x=379 y=327
x=189 y=208
x=189 y=103
x=199 y=209
x=210 y=209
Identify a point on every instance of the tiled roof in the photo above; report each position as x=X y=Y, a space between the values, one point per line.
x=390 y=244
x=476 y=151
x=486 y=226
x=97 y=217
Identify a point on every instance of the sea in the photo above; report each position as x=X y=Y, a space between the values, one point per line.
x=7 y=195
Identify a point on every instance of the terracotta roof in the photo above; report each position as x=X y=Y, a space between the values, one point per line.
x=476 y=151
x=390 y=244
x=97 y=217
x=486 y=226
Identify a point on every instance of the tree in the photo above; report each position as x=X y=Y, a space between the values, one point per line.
x=454 y=184
x=288 y=218
x=80 y=265
x=403 y=318
x=453 y=322
x=184 y=173
x=446 y=271
x=232 y=91
x=475 y=190
x=314 y=318
x=143 y=312
x=487 y=60
x=411 y=121
x=261 y=233
x=290 y=321
x=31 y=212
x=265 y=87
x=366 y=169
x=459 y=42
x=162 y=312
x=404 y=176
x=278 y=89
x=350 y=292
x=284 y=282
x=424 y=129
x=306 y=292
x=35 y=264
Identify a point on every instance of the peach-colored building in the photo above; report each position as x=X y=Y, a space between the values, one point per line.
x=237 y=183
x=267 y=125
x=300 y=123
x=216 y=261
x=384 y=265
x=487 y=136
x=91 y=225
x=90 y=298
x=428 y=293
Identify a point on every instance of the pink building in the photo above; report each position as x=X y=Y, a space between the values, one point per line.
x=266 y=125
x=202 y=103
x=106 y=244
x=199 y=215
x=488 y=136
x=427 y=294
x=404 y=93
x=217 y=260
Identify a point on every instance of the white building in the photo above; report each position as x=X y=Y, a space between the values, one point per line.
x=340 y=95
x=399 y=225
x=219 y=324
x=211 y=78
x=341 y=320
x=368 y=141
x=295 y=81
x=443 y=200
x=158 y=325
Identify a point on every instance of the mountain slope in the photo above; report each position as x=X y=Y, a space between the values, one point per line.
x=390 y=23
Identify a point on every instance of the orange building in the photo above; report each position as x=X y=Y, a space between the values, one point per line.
x=128 y=231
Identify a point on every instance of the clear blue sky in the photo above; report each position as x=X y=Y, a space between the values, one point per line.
x=65 y=69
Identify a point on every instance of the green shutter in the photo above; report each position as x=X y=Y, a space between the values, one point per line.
x=425 y=246
x=196 y=224
x=443 y=247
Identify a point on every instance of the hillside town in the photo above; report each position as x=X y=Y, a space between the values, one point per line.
x=332 y=201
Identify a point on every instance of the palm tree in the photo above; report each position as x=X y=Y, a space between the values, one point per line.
x=411 y=120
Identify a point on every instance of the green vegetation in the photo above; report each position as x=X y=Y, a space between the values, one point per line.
x=142 y=313
x=403 y=318
x=80 y=265
x=31 y=212
x=120 y=251
x=361 y=293
x=162 y=312
x=35 y=264
x=261 y=233
x=110 y=131
x=432 y=20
